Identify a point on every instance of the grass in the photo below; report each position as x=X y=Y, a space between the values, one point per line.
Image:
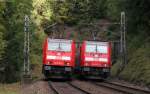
x=115 y=69
x=37 y=71
x=10 y=88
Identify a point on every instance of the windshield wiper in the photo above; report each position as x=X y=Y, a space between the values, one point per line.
x=96 y=48
x=59 y=47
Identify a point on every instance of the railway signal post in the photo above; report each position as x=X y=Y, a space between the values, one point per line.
x=26 y=73
x=123 y=40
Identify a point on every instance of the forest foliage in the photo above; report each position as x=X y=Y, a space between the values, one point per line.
x=73 y=13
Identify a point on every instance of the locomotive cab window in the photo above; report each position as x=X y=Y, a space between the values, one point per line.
x=96 y=48
x=102 y=49
x=90 y=48
x=66 y=47
x=59 y=46
x=53 y=46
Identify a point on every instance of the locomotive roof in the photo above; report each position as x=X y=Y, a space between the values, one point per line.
x=59 y=40
x=96 y=43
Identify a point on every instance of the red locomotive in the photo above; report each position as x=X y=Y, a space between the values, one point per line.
x=58 y=57
x=95 y=58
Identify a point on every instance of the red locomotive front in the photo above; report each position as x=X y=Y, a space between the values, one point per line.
x=58 y=57
x=95 y=58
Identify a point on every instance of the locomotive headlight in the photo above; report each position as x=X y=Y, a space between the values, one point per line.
x=89 y=59
x=67 y=63
x=49 y=63
x=86 y=64
x=66 y=58
x=47 y=67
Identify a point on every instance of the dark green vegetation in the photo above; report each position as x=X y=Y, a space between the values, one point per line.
x=75 y=16
x=138 y=44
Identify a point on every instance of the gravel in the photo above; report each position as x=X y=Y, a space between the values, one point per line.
x=38 y=87
x=64 y=88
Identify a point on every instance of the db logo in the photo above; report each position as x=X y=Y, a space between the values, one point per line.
x=96 y=55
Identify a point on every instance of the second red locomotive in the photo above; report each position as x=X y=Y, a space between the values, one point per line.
x=95 y=58
x=58 y=57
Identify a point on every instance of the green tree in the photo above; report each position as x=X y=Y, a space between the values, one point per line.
x=2 y=30
x=74 y=11
x=138 y=16
x=14 y=23
x=114 y=8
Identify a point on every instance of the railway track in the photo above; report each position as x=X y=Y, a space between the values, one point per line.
x=66 y=88
x=121 y=88
x=73 y=88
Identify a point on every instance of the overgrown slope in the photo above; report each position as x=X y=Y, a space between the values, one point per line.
x=138 y=68
x=138 y=43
